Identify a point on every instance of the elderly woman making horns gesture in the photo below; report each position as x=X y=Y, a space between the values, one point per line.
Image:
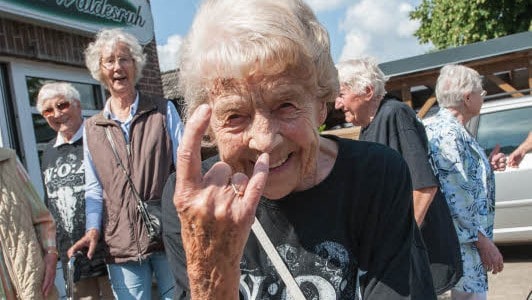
x=331 y=218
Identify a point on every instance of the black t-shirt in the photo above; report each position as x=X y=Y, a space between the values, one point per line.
x=64 y=180
x=396 y=126
x=357 y=222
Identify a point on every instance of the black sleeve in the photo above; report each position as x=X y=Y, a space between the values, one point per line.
x=412 y=139
x=387 y=229
x=173 y=244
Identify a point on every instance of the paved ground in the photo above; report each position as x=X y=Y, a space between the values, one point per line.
x=515 y=282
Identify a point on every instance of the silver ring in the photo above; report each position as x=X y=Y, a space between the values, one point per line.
x=235 y=189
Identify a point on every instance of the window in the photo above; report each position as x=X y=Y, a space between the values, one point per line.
x=506 y=127
x=91 y=97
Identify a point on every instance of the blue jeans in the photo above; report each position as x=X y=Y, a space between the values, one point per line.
x=133 y=280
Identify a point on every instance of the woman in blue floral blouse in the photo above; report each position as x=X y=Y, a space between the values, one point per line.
x=466 y=176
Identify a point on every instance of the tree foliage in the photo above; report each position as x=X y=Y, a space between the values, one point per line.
x=451 y=23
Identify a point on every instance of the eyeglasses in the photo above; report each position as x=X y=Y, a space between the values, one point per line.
x=483 y=93
x=122 y=61
x=61 y=106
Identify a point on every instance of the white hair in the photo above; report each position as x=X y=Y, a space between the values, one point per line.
x=454 y=82
x=110 y=38
x=360 y=73
x=54 y=90
x=237 y=39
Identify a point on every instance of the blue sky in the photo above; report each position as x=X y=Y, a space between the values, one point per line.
x=379 y=28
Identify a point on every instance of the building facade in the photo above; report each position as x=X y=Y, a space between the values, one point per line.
x=44 y=40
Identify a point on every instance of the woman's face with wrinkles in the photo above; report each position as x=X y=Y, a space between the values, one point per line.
x=278 y=115
x=118 y=69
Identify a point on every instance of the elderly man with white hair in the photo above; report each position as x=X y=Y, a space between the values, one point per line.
x=394 y=124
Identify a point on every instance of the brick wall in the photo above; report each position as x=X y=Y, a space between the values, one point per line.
x=34 y=42
x=151 y=83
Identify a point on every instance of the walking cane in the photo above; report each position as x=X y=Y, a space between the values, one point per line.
x=72 y=274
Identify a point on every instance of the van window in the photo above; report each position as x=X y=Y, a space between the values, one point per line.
x=509 y=128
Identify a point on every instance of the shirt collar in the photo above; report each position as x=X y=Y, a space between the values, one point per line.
x=108 y=114
x=60 y=140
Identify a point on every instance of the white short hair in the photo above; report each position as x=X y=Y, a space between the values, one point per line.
x=454 y=82
x=57 y=89
x=234 y=39
x=360 y=73
x=109 y=38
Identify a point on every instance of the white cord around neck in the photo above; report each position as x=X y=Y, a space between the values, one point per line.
x=291 y=285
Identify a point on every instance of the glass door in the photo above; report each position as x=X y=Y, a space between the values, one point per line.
x=34 y=132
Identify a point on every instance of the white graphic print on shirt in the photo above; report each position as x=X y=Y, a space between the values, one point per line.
x=329 y=275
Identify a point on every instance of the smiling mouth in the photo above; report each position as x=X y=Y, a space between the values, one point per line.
x=280 y=163
x=119 y=78
x=277 y=164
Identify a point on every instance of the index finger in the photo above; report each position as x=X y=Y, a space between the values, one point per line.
x=189 y=152
x=76 y=247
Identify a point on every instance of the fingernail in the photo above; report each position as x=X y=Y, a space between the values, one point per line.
x=203 y=109
x=264 y=157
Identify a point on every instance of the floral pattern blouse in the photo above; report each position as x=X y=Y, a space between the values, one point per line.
x=468 y=183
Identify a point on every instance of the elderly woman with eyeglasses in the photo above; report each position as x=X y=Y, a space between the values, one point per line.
x=466 y=176
x=145 y=132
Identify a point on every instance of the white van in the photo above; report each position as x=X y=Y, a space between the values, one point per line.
x=507 y=122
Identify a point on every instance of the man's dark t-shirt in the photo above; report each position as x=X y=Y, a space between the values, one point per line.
x=355 y=226
x=396 y=126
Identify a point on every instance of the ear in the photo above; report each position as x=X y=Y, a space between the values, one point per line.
x=369 y=92
x=466 y=97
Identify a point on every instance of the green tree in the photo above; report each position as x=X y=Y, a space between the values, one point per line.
x=451 y=23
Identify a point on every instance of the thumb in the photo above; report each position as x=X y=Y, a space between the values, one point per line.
x=257 y=182
x=495 y=150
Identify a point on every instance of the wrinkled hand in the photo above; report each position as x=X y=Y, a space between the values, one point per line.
x=489 y=254
x=89 y=240
x=497 y=159
x=216 y=212
x=50 y=264
x=515 y=158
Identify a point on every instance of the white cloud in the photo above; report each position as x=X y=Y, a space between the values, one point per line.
x=323 y=5
x=380 y=28
x=371 y=15
x=406 y=26
x=169 y=53
x=355 y=45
